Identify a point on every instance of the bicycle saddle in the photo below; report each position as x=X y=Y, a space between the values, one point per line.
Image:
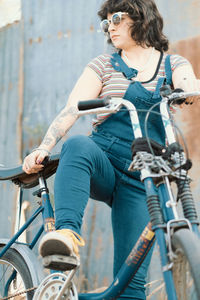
x=20 y=178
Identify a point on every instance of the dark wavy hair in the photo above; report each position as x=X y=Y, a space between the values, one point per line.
x=147 y=28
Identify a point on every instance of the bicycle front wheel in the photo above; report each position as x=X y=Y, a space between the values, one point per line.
x=15 y=278
x=186 y=267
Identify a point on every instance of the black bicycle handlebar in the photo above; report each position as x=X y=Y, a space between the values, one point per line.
x=95 y=103
x=174 y=96
x=179 y=99
x=177 y=96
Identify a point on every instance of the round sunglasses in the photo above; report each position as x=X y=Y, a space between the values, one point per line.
x=115 y=19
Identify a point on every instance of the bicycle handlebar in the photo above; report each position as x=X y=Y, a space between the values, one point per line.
x=113 y=105
x=95 y=103
x=178 y=96
x=174 y=98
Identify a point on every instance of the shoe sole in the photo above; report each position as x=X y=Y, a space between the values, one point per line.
x=60 y=262
x=54 y=243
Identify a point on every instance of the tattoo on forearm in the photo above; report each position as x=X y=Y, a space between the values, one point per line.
x=71 y=111
x=56 y=132
x=47 y=140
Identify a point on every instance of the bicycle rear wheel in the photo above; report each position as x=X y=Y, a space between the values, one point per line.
x=15 y=277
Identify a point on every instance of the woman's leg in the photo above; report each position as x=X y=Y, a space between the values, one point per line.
x=129 y=218
x=82 y=162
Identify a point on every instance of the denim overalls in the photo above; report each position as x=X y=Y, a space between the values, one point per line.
x=97 y=167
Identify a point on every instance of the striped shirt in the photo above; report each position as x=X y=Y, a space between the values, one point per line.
x=115 y=84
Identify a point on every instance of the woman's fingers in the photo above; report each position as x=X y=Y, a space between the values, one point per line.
x=32 y=169
x=33 y=162
x=191 y=85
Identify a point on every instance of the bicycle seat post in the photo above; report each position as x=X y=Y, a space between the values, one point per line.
x=18 y=210
x=48 y=214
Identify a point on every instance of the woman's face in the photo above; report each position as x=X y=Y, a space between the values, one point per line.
x=120 y=34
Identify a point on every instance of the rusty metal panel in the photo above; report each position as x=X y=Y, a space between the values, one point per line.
x=188 y=117
x=187 y=120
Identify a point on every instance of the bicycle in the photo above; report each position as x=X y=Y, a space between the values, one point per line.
x=177 y=238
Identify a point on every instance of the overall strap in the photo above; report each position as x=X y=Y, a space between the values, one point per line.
x=164 y=80
x=161 y=81
x=120 y=66
x=168 y=70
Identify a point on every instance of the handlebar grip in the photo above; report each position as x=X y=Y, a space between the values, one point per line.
x=166 y=91
x=90 y=104
x=178 y=101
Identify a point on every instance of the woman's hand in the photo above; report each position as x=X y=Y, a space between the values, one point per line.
x=184 y=78
x=33 y=162
x=190 y=85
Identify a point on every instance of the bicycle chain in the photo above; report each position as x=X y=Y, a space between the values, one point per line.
x=18 y=294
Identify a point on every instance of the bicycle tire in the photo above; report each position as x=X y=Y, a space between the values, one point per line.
x=186 y=265
x=10 y=262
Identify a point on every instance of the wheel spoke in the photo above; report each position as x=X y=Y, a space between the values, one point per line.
x=15 y=277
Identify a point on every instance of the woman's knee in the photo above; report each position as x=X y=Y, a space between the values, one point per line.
x=77 y=144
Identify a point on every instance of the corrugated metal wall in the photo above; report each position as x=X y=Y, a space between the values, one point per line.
x=181 y=18
x=10 y=115
x=40 y=59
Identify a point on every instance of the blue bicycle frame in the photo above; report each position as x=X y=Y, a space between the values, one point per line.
x=161 y=196
x=48 y=221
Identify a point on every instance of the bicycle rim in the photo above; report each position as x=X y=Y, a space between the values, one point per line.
x=50 y=287
x=15 y=277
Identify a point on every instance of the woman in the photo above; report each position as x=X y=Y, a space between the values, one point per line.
x=97 y=166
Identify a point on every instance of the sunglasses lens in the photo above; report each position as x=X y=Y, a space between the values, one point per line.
x=116 y=18
x=104 y=25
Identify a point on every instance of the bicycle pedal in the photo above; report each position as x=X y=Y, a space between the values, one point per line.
x=60 y=262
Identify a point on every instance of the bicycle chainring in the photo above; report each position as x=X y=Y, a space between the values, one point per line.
x=51 y=286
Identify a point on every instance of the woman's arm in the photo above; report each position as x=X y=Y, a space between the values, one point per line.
x=87 y=87
x=183 y=77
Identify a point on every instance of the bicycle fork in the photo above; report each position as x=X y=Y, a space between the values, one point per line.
x=164 y=217
x=157 y=220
